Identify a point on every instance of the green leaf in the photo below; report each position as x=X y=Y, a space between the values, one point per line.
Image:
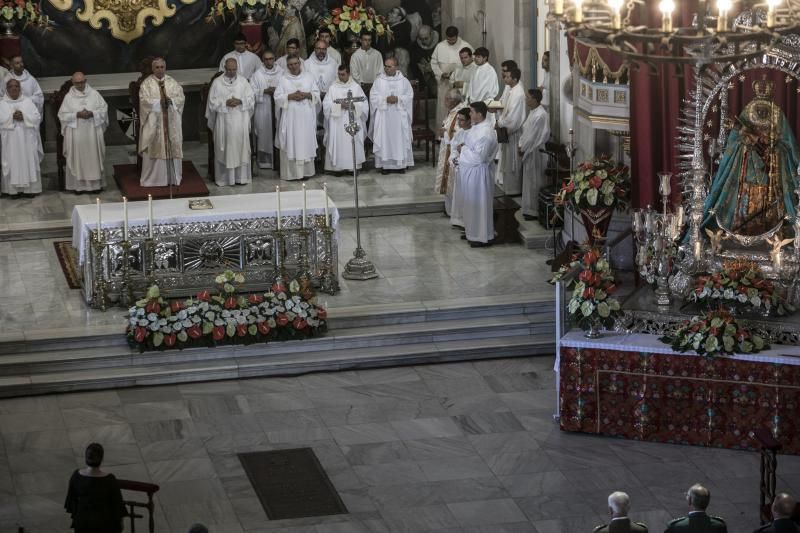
x=746 y=346
x=591 y=196
x=208 y=327
x=252 y=329
x=158 y=338
x=716 y=322
x=182 y=336
x=758 y=342
x=230 y=330
x=728 y=343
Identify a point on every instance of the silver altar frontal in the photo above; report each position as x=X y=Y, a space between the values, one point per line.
x=188 y=247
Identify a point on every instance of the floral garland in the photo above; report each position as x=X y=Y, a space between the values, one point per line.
x=353 y=15
x=600 y=183
x=739 y=284
x=22 y=10
x=714 y=333
x=591 y=303
x=282 y=313
x=220 y=7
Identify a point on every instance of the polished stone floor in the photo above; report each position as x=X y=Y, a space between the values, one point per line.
x=460 y=447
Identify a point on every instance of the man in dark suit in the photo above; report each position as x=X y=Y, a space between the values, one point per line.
x=783 y=507
x=697 y=521
x=618 y=506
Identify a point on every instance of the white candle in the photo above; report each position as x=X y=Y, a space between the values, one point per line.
x=278 y=203
x=150 y=215
x=558 y=7
x=325 y=191
x=724 y=7
x=680 y=217
x=697 y=251
x=778 y=262
x=99 y=221
x=578 y=18
x=616 y=7
x=304 y=206
x=666 y=7
x=124 y=218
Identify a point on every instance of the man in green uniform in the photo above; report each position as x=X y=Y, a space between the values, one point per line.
x=618 y=506
x=697 y=521
x=783 y=508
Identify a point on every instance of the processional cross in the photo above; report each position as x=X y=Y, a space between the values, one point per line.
x=359 y=267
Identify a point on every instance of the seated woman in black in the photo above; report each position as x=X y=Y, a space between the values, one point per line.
x=93 y=498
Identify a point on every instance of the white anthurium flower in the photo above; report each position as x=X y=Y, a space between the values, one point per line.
x=166 y=330
x=587 y=308
x=728 y=294
x=241 y=319
x=186 y=323
x=133 y=321
x=219 y=322
x=574 y=304
x=143 y=322
x=177 y=326
x=152 y=317
x=226 y=313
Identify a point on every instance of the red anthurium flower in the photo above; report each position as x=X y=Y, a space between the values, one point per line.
x=336 y=11
x=153 y=307
x=139 y=334
x=263 y=327
x=218 y=332
x=175 y=306
x=595 y=182
x=204 y=296
x=322 y=314
x=299 y=323
x=169 y=340
x=282 y=320
x=255 y=299
x=230 y=302
x=241 y=330
x=278 y=287
x=585 y=276
x=194 y=332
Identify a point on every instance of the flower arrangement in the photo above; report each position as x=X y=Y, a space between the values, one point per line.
x=353 y=15
x=714 y=333
x=591 y=302
x=739 y=284
x=220 y=7
x=25 y=11
x=282 y=313
x=600 y=183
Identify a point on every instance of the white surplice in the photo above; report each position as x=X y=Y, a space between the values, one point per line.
x=30 y=88
x=509 y=168
x=262 y=118
x=457 y=201
x=152 y=142
x=390 y=124
x=366 y=65
x=323 y=72
x=22 y=147
x=84 y=144
x=335 y=55
x=445 y=60
x=464 y=75
x=444 y=172
x=297 y=127
x=475 y=173
x=231 y=127
x=338 y=144
x=246 y=63
x=483 y=85
x=535 y=133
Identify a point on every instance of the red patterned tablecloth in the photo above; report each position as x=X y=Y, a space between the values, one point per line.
x=685 y=399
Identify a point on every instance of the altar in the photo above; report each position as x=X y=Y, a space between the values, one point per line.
x=190 y=241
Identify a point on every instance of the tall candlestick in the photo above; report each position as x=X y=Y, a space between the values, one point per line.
x=325 y=191
x=578 y=17
x=771 y=12
x=278 y=203
x=666 y=7
x=124 y=218
x=724 y=7
x=304 y=205
x=558 y=7
x=150 y=215
x=616 y=7
x=99 y=221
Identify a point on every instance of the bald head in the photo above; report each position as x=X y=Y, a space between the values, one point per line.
x=79 y=81
x=13 y=89
x=783 y=505
x=698 y=497
x=231 y=66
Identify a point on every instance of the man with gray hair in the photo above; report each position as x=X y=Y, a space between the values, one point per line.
x=697 y=521
x=783 y=509
x=619 y=504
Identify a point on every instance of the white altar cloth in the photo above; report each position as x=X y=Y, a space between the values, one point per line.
x=238 y=206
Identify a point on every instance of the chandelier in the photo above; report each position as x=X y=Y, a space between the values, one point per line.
x=717 y=34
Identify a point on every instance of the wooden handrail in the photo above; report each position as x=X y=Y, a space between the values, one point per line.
x=149 y=489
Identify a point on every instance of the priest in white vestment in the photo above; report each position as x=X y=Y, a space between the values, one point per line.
x=509 y=167
x=456 y=204
x=545 y=86
x=391 y=102
x=484 y=85
x=322 y=67
x=30 y=87
x=161 y=102
x=475 y=162
x=338 y=144
x=22 y=146
x=264 y=82
x=5 y=75
x=366 y=63
x=535 y=133
x=444 y=178
x=463 y=74
x=230 y=106
x=297 y=96
x=444 y=61
x=325 y=34
x=246 y=61
x=292 y=50
x=84 y=119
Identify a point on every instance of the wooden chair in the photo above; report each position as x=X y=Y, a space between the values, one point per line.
x=420 y=129
x=56 y=99
x=209 y=134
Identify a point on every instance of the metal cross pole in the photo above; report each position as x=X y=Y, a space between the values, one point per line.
x=359 y=267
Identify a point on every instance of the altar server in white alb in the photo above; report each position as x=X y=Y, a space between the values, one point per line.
x=325 y=34
x=230 y=106
x=463 y=74
x=84 y=119
x=22 y=147
x=246 y=61
x=483 y=85
x=456 y=204
x=509 y=168
x=366 y=63
x=535 y=133
x=30 y=87
x=297 y=96
x=444 y=62
x=161 y=102
x=338 y=144
x=391 y=102
x=448 y=129
x=475 y=172
x=264 y=82
x=322 y=67
x=292 y=50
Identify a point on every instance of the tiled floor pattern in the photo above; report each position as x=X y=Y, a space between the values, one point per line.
x=461 y=447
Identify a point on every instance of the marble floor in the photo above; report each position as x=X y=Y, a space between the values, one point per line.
x=461 y=447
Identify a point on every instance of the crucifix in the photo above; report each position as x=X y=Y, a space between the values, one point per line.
x=359 y=267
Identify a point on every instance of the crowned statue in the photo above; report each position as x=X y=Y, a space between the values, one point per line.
x=753 y=190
